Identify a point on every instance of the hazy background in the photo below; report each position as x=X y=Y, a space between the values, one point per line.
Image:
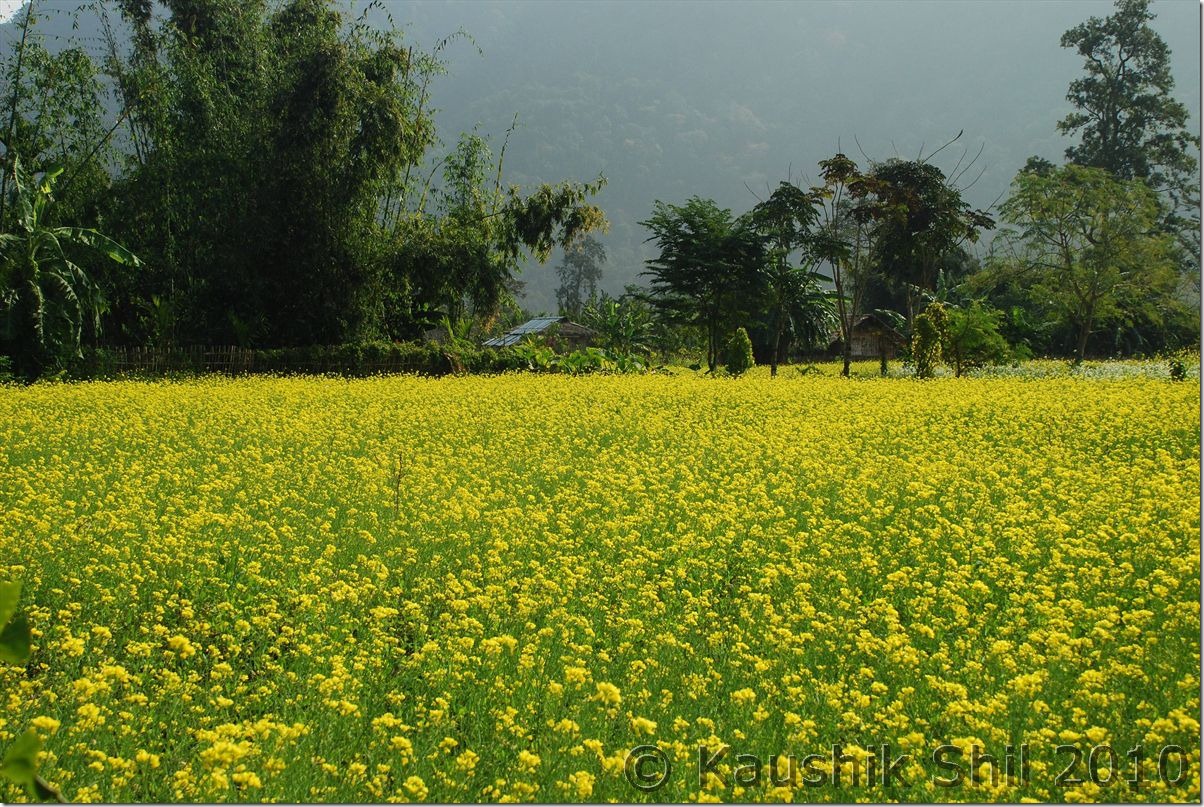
x=674 y=99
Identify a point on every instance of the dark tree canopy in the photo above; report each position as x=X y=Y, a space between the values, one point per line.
x=275 y=165
x=706 y=272
x=790 y=292
x=1129 y=123
x=920 y=219
x=1125 y=115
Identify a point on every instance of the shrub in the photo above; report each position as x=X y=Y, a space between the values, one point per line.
x=355 y=359
x=972 y=338
x=928 y=332
x=739 y=356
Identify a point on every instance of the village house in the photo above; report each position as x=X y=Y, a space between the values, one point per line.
x=556 y=332
x=871 y=337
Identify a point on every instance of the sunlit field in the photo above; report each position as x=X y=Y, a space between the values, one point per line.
x=494 y=588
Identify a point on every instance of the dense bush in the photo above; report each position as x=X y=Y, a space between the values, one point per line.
x=739 y=356
x=1178 y=369
x=972 y=338
x=928 y=335
x=356 y=360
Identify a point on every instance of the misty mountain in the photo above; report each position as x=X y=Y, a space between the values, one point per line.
x=673 y=99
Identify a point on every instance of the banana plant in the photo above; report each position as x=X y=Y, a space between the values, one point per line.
x=45 y=297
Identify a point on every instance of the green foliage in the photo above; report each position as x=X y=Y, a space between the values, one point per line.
x=1086 y=247
x=328 y=225
x=1178 y=369
x=1129 y=120
x=845 y=241
x=14 y=640
x=541 y=358
x=706 y=272
x=45 y=296
x=552 y=215
x=929 y=333
x=341 y=217
x=360 y=359
x=14 y=629
x=51 y=117
x=20 y=762
x=738 y=357
x=308 y=121
x=972 y=338
x=920 y=219
x=625 y=325
x=1125 y=109
x=791 y=293
x=351 y=359
x=461 y=253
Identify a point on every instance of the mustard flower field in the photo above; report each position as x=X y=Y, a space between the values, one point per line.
x=495 y=588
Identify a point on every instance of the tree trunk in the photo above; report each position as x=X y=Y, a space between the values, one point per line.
x=1085 y=329
x=712 y=348
x=777 y=347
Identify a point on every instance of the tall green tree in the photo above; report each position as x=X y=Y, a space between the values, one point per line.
x=792 y=296
x=1127 y=118
x=920 y=219
x=844 y=240
x=285 y=186
x=1088 y=245
x=580 y=271
x=706 y=272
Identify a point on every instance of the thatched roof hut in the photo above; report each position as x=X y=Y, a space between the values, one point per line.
x=871 y=337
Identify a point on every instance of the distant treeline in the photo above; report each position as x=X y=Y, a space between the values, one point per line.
x=1098 y=256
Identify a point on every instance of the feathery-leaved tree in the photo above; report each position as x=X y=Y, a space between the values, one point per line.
x=790 y=288
x=843 y=240
x=706 y=272
x=1086 y=245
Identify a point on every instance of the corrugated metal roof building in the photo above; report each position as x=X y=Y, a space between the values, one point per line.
x=560 y=328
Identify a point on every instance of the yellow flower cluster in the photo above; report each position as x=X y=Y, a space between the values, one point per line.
x=475 y=588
